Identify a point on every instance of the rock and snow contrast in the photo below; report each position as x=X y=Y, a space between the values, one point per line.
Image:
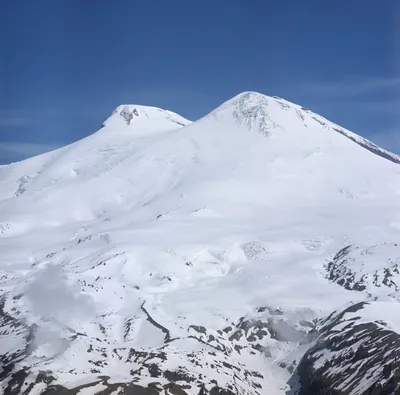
x=255 y=251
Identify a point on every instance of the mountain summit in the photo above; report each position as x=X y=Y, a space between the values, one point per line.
x=134 y=115
x=254 y=251
x=266 y=114
x=269 y=147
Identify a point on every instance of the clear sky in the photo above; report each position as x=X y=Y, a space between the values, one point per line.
x=66 y=64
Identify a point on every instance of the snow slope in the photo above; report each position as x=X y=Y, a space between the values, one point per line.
x=163 y=251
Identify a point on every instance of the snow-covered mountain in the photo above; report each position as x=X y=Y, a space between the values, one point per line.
x=222 y=256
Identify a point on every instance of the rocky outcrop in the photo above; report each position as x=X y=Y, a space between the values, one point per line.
x=16 y=339
x=374 y=270
x=104 y=387
x=352 y=356
x=204 y=361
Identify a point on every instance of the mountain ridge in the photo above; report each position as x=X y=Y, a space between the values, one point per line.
x=210 y=258
x=130 y=112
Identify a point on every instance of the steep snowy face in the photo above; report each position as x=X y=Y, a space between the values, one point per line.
x=266 y=151
x=98 y=168
x=269 y=115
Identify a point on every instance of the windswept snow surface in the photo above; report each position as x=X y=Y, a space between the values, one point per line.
x=203 y=247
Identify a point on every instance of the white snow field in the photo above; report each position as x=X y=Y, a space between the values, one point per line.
x=159 y=255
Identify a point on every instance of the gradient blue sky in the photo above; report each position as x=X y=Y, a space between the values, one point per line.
x=66 y=64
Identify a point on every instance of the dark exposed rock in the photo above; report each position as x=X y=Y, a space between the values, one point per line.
x=199 y=329
x=154 y=370
x=355 y=269
x=176 y=389
x=236 y=336
x=15 y=386
x=351 y=357
x=221 y=391
x=25 y=336
x=223 y=345
x=178 y=375
x=124 y=389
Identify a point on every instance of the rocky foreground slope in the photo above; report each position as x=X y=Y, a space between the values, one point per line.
x=254 y=251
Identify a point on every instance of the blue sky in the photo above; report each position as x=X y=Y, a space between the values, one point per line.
x=67 y=64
